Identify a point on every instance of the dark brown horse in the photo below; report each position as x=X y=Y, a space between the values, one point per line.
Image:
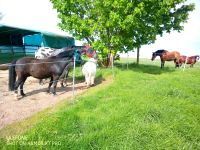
x=188 y=60
x=52 y=68
x=166 y=56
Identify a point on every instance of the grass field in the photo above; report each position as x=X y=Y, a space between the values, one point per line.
x=143 y=107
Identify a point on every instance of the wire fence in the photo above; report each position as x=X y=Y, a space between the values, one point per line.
x=124 y=64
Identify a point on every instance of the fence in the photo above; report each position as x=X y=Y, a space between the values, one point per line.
x=128 y=64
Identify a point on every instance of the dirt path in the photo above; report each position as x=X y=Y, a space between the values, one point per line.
x=36 y=99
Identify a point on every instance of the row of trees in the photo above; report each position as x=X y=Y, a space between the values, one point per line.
x=112 y=26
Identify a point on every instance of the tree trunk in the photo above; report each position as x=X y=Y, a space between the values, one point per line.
x=138 y=55
x=109 y=60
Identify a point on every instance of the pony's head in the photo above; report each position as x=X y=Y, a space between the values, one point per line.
x=158 y=53
x=153 y=56
x=89 y=51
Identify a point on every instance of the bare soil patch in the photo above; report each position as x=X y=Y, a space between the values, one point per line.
x=36 y=98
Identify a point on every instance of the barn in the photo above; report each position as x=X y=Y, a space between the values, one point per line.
x=17 y=42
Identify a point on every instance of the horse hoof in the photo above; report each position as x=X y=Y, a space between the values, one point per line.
x=23 y=95
x=16 y=98
x=16 y=95
x=62 y=86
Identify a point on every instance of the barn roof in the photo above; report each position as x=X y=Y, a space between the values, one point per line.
x=10 y=35
x=8 y=30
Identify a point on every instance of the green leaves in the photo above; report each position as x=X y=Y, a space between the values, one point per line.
x=115 y=24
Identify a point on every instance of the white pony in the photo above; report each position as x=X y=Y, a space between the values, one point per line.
x=89 y=71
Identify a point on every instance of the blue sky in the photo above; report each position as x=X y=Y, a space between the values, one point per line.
x=40 y=15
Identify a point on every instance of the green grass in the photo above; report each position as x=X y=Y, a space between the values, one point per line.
x=143 y=108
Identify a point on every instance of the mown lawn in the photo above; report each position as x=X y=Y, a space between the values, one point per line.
x=143 y=107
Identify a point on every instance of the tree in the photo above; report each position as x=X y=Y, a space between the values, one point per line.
x=120 y=25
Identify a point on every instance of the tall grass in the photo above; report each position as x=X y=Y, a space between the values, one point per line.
x=143 y=108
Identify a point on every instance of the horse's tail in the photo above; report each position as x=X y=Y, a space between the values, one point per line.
x=12 y=75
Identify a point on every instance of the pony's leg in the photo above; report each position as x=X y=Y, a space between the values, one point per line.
x=50 y=83
x=62 y=83
x=64 y=79
x=40 y=81
x=55 y=81
x=21 y=87
x=162 y=64
x=87 y=79
x=17 y=83
x=177 y=64
x=16 y=87
x=92 y=80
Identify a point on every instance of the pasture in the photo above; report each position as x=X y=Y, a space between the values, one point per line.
x=142 y=107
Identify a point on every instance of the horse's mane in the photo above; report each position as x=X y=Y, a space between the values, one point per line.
x=195 y=57
x=77 y=47
x=73 y=48
x=58 y=58
x=161 y=51
x=63 y=55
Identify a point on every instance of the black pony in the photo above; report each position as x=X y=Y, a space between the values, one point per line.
x=51 y=67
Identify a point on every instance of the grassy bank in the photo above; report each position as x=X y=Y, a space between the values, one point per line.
x=143 y=108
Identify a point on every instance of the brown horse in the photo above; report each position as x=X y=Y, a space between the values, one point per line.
x=188 y=60
x=166 y=56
